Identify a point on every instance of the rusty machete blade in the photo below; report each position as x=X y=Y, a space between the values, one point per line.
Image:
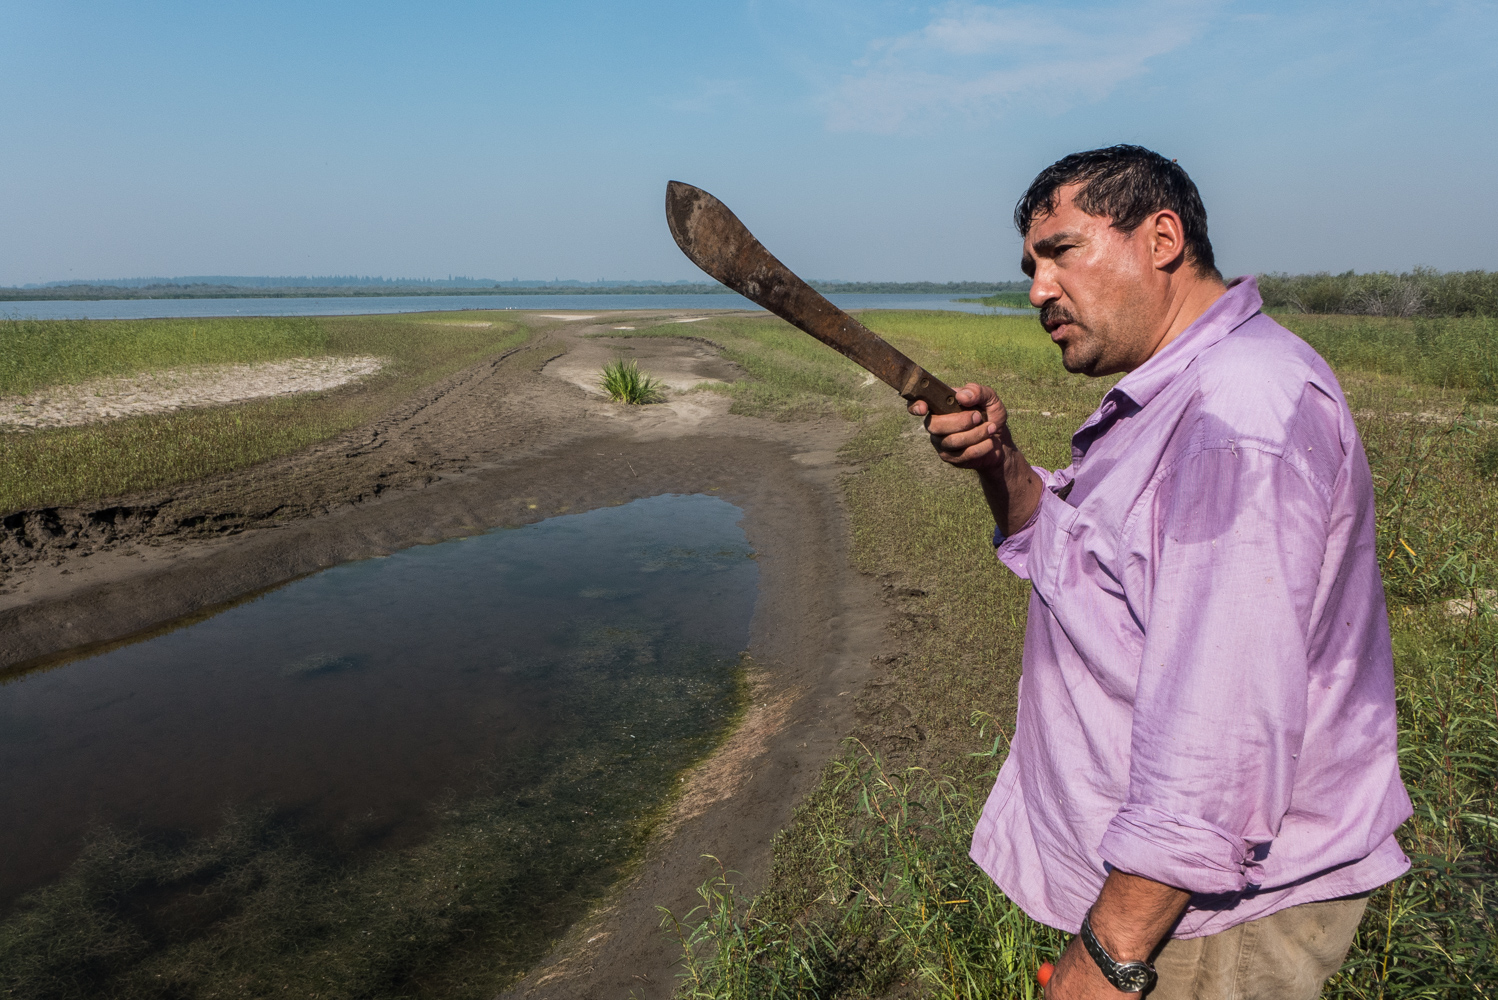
x=716 y=241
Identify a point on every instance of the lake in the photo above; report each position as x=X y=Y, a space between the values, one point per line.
x=366 y=305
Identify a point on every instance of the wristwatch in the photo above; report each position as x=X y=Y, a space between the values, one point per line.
x=1126 y=977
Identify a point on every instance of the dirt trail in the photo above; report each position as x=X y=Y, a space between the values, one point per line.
x=520 y=437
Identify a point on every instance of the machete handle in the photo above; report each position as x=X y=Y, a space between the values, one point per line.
x=936 y=394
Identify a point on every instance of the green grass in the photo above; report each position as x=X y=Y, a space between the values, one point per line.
x=625 y=383
x=42 y=353
x=76 y=464
x=855 y=905
x=1459 y=354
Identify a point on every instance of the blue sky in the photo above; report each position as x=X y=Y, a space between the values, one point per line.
x=871 y=140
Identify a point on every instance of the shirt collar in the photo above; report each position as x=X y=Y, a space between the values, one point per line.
x=1236 y=306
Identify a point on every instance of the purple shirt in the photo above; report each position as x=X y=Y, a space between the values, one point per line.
x=1208 y=689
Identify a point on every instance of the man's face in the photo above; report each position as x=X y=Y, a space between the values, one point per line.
x=1096 y=288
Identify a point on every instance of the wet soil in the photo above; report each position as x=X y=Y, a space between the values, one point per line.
x=510 y=441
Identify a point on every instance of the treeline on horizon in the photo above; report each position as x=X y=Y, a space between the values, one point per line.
x=157 y=289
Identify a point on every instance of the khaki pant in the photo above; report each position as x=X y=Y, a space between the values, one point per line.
x=1285 y=956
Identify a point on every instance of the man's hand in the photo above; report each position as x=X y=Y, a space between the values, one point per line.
x=968 y=439
x=1131 y=917
x=978 y=438
x=1077 y=977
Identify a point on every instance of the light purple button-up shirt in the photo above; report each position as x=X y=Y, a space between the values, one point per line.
x=1208 y=689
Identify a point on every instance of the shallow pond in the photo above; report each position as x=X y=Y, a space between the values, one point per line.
x=400 y=776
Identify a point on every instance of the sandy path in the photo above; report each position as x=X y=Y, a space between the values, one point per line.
x=180 y=388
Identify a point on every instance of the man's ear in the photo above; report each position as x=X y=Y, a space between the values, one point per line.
x=1167 y=240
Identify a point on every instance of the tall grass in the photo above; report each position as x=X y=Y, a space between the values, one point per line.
x=1459 y=354
x=1421 y=292
x=901 y=905
x=1434 y=933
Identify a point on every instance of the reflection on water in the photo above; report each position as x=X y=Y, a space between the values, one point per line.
x=408 y=770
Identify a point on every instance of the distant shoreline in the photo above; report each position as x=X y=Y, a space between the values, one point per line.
x=77 y=293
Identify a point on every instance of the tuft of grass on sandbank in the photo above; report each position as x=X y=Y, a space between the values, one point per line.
x=862 y=898
x=77 y=464
x=624 y=382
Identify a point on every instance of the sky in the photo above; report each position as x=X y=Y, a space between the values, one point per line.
x=871 y=140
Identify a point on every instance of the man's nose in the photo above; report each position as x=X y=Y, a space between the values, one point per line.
x=1043 y=288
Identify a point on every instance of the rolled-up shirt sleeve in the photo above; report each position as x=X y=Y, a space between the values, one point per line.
x=1228 y=549
x=1014 y=550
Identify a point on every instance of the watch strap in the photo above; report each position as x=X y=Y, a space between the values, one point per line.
x=1126 y=977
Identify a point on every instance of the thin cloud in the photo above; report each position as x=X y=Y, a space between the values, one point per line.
x=710 y=95
x=976 y=61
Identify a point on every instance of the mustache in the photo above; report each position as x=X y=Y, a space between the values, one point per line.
x=1053 y=314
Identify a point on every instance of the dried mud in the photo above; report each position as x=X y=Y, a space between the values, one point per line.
x=515 y=439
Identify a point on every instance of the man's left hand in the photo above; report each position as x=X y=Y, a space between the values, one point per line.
x=1077 y=977
x=1131 y=916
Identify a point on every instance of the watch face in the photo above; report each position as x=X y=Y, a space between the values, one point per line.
x=1132 y=977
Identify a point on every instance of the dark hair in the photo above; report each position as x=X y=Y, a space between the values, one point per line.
x=1125 y=184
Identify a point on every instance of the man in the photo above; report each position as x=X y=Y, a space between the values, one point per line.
x=1203 y=770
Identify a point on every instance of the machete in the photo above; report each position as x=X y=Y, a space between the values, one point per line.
x=715 y=240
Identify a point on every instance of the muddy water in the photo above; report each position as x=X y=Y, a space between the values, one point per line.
x=497 y=714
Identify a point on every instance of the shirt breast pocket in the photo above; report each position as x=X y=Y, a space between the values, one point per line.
x=1052 y=546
